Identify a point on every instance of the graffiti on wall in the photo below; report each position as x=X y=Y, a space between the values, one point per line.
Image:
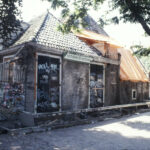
x=48 y=84
x=12 y=95
x=96 y=86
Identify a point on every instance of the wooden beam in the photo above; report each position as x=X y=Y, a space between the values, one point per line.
x=93 y=109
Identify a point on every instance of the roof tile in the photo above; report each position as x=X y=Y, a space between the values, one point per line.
x=43 y=31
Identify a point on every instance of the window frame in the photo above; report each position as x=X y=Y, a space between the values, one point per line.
x=6 y=59
x=104 y=66
x=36 y=80
x=134 y=90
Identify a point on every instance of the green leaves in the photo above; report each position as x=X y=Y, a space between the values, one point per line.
x=58 y=3
x=65 y=12
x=115 y=20
x=73 y=13
x=134 y=11
x=140 y=51
x=9 y=24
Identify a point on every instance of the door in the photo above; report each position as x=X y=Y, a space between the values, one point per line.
x=96 y=86
x=48 y=88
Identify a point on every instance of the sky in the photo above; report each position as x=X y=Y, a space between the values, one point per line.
x=126 y=34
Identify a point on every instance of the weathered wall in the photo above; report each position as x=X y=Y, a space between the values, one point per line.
x=1 y=59
x=146 y=91
x=29 y=84
x=75 y=85
x=126 y=91
x=111 y=85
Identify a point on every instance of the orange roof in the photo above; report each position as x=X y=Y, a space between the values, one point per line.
x=86 y=34
x=130 y=67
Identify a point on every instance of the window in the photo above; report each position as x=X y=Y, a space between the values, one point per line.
x=8 y=69
x=134 y=94
x=48 y=89
x=96 y=86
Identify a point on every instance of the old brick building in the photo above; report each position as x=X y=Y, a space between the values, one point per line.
x=68 y=72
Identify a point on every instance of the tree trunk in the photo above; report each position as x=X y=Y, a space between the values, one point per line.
x=138 y=17
x=144 y=25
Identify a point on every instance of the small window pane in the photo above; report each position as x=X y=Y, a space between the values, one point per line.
x=134 y=94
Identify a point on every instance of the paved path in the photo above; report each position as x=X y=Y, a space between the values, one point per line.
x=128 y=133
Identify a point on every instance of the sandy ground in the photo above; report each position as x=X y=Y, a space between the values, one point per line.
x=128 y=133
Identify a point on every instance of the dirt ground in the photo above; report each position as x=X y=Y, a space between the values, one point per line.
x=127 y=133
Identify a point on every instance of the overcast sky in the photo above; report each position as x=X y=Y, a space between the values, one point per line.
x=127 y=34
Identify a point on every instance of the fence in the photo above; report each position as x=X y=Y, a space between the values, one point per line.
x=11 y=72
x=12 y=80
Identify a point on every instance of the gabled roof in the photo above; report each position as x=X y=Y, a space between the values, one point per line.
x=43 y=31
x=130 y=67
x=90 y=35
x=94 y=27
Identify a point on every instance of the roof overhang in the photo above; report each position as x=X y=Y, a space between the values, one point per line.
x=68 y=55
x=97 y=38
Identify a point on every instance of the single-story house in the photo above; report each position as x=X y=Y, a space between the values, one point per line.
x=68 y=72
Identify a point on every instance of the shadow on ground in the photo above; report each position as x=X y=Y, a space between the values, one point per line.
x=129 y=133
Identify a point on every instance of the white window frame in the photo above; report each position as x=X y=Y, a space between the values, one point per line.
x=60 y=80
x=134 y=90
x=104 y=66
x=5 y=57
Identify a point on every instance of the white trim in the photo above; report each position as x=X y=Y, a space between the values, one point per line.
x=48 y=55
x=9 y=56
x=14 y=65
x=99 y=64
x=134 y=90
x=60 y=78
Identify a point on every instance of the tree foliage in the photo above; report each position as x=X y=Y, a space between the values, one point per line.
x=139 y=50
x=9 y=23
x=73 y=12
x=134 y=11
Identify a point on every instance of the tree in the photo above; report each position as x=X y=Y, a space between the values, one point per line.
x=134 y=11
x=140 y=51
x=73 y=13
x=9 y=23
